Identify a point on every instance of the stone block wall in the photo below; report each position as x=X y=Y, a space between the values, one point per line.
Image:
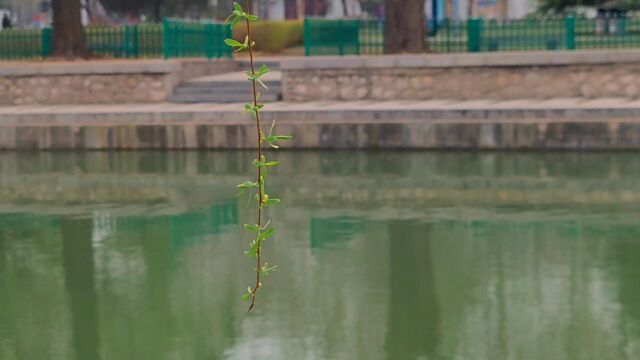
x=614 y=125
x=100 y=82
x=82 y=89
x=464 y=77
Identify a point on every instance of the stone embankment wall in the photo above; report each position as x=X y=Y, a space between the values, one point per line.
x=574 y=125
x=100 y=82
x=500 y=76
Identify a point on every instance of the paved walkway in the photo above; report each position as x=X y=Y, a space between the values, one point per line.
x=612 y=104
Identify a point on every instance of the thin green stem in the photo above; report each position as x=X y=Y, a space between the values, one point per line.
x=258 y=285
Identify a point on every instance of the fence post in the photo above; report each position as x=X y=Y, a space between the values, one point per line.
x=127 y=41
x=228 y=34
x=474 y=35
x=306 y=37
x=136 y=41
x=166 y=39
x=209 y=38
x=447 y=28
x=341 y=43
x=47 y=42
x=359 y=24
x=570 y=28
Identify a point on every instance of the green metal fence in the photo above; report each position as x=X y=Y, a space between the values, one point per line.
x=345 y=37
x=190 y=39
x=171 y=39
x=22 y=44
x=138 y=41
x=607 y=33
x=451 y=36
x=525 y=34
x=328 y=37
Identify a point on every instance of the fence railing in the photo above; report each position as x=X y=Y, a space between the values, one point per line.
x=191 y=39
x=23 y=44
x=345 y=37
x=171 y=39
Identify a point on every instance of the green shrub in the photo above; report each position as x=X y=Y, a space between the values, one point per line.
x=273 y=36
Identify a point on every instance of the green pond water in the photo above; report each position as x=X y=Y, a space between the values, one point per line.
x=381 y=256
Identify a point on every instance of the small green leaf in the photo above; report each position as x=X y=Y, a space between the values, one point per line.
x=266 y=269
x=266 y=225
x=251 y=17
x=265 y=234
x=237 y=7
x=246 y=296
x=253 y=228
x=232 y=42
x=272 y=201
x=282 y=137
x=247 y=185
x=238 y=46
x=276 y=138
x=253 y=109
x=257 y=163
x=253 y=252
x=263 y=70
x=256 y=76
x=234 y=21
x=262 y=84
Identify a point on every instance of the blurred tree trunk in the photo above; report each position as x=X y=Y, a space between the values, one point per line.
x=157 y=13
x=345 y=9
x=290 y=9
x=68 y=34
x=405 y=26
x=316 y=7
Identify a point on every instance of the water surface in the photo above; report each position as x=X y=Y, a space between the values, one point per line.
x=381 y=256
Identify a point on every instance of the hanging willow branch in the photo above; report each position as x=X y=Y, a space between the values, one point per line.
x=261 y=230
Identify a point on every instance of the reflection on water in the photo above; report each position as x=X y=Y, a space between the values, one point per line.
x=381 y=256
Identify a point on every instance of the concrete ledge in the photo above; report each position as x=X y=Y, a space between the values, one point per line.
x=501 y=59
x=91 y=68
x=609 y=124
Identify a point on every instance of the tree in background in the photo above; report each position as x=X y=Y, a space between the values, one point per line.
x=68 y=34
x=405 y=26
x=316 y=7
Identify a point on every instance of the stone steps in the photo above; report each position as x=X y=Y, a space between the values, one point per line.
x=220 y=97
x=272 y=64
x=229 y=88
x=235 y=87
